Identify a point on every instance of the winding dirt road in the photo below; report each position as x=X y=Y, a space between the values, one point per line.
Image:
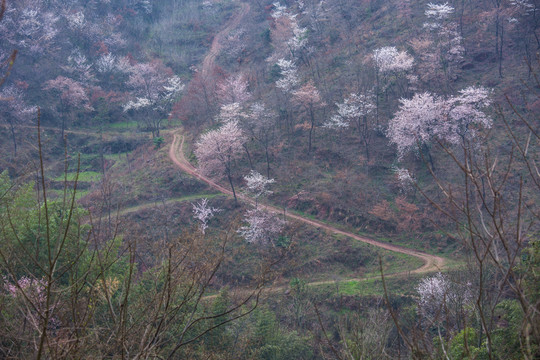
x=209 y=60
x=432 y=263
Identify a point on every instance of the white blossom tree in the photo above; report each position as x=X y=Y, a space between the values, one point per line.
x=439 y=11
x=260 y=124
x=262 y=227
x=289 y=39
x=106 y=63
x=309 y=101
x=443 y=304
x=389 y=59
x=203 y=212
x=30 y=25
x=257 y=185
x=289 y=76
x=356 y=110
x=219 y=149
x=390 y=63
x=299 y=39
x=231 y=112
x=78 y=67
x=445 y=42
x=404 y=178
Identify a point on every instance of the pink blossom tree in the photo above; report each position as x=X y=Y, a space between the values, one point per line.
x=72 y=97
x=155 y=88
x=218 y=150
x=14 y=110
x=309 y=101
x=428 y=117
x=233 y=89
x=30 y=297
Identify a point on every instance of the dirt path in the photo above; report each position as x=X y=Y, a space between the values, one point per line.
x=431 y=262
x=209 y=60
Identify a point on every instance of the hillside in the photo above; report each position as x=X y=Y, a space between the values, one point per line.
x=269 y=180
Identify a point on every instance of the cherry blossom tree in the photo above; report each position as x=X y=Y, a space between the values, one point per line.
x=356 y=110
x=231 y=112
x=289 y=76
x=257 y=185
x=439 y=11
x=428 y=117
x=444 y=305
x=219 y=149
x=30 y=26
x=405 y=179
x=262 y=227
x=72 y=97
x=309 y=101
x=29 y=297
x=524 y=17
x=154 y=90
x=203 y=212
x=298 y=42
x=389 y=59
x=233 y=89
x=106 y=63
x=14 y=110
x=260 y=124
x=288 y=38
x=445 y=47
x=390 y=63
x=78 y=67
x=234 y=112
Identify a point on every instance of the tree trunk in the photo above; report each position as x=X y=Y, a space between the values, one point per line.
x=428 y=152
x=63 y=125
x=267 y=161
x=312 y=116
x=248 y=156
x=232 y=186
x=12 y=129
x=501 y=50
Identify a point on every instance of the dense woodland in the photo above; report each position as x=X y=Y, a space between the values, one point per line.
x=259 y=179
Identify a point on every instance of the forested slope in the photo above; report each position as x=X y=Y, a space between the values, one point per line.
x=409 y=125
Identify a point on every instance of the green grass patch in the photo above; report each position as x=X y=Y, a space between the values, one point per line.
x=60 y=193
x=84 y=176
x=167 y=202
x=125 y=125
x=371 y=286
